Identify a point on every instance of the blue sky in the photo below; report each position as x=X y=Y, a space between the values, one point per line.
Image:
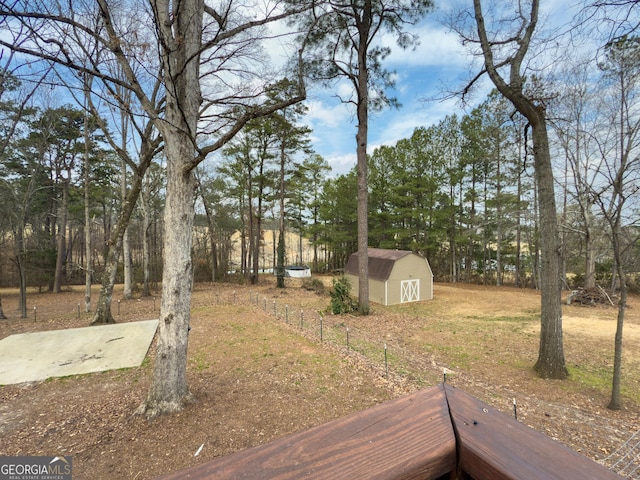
x=438 y=62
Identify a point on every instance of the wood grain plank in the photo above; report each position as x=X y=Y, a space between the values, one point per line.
x=407 y=438
x=494 y=446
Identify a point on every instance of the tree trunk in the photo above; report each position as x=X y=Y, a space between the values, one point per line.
x=2 y=315
x=258 y=226
x=180 y=28
x=363 y=229
x=615 y=402
x=243 y=246
x=518 y=273
x=114 y=249
x=146 y=253
x=252 y=237
x=223 y=256
x=498 y=216
x=126 y=266
x=281 y=239
x=280 y=254
x=19 y=259
x=563 y=222
x=61 y=244
x=471 y=226
x=22 y=279
x=551 y=361
x=362 y=88
x=87 y=216
x=534 y=245
x=452 y=234
x=212 y=236
x=103 y=313
x=169 y=390
x=590 y=258
x=622 y=186
x=486 y=242
x=126 y=246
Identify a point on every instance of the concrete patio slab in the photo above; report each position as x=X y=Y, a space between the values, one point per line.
x=30 y=357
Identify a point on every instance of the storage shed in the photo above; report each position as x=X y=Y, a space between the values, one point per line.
x=395 y=276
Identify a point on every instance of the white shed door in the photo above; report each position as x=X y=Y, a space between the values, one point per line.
x=409 y=290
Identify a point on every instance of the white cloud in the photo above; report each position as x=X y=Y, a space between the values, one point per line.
x=437 y=47
x=439 y=63
x=326 y=115
x=341 y=164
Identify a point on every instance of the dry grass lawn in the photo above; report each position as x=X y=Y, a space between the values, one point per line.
x=259 y=371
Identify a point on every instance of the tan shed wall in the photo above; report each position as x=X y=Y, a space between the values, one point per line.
x=355 y=284
x=376 y=291
x=410 y=268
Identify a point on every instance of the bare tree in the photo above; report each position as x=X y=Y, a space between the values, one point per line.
x=205 y=91
x=618 y=140
x=180 y=32
x=621 y=167
x=87 y=211
x=504 y=45
x=127 y=267
x=574 y=120
x=15 y=100
x=129 y=127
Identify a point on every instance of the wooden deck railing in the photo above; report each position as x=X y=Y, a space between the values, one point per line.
x=433 y=434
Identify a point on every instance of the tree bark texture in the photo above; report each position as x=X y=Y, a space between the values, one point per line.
x=87 y=215
x=615 y=403
x=61 y=241
x=169 y=390
x=2 y=315
x=103 y=313
x=551 y=361
x=362 y=86
x=180 y=30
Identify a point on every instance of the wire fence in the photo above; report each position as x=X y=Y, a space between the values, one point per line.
x=41 y=310
x=400 y=363
x=626 y=459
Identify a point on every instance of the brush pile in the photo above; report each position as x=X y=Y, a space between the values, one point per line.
x=591 y=297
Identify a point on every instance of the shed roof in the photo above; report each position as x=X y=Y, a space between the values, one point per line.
x=381 y=262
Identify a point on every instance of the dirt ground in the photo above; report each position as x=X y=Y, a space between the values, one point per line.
x=259 y=371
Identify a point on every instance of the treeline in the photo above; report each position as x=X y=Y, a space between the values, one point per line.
x=460 y=192
x=55 y=162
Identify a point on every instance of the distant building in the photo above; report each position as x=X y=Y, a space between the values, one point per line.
x=395 y=276
x=297 y=271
